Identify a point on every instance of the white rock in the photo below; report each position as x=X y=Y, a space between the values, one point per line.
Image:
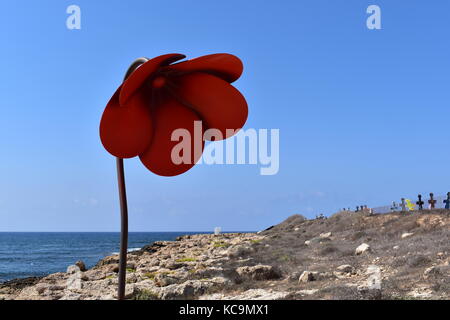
x=71 y=296
x=396 y=247
x=406 y=235
x=73 y=269
x=362 y=249
x=307 y=292
x=74 y=282
x=326 y=235
x=306 y=276
x=374 y=280
x=345 y=268
x=373 y=269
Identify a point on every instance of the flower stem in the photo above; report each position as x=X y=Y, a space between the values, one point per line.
x=123 y=229
x=124 y=206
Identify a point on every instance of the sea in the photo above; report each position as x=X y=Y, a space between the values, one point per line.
x=32 y=254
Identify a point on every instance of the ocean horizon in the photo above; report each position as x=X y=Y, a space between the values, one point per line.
x=35 y=254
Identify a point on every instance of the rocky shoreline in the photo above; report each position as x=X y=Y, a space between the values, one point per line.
x=348 y=256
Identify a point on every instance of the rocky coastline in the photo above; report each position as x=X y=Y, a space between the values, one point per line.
x=347 y=256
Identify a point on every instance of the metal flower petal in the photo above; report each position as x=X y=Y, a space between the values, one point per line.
x=144 y=72
x=218 y=103
x=223 y=65
x=159 y=157
x=126 y=130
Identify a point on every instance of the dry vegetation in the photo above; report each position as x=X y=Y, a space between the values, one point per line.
x=403 y=261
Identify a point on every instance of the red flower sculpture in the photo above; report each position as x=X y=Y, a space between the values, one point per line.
x=162 y=96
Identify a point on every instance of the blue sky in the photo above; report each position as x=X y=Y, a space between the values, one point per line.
x=363 y=114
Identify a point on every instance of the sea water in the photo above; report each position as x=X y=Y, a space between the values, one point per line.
x=39 y=254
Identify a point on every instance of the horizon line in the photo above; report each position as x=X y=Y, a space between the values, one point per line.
x=232 y=231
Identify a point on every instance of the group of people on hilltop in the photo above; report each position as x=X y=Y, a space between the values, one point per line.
x=408 y=205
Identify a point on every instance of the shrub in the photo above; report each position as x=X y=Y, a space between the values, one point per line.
x=221 y=244
x=418 y=261
x=150 y=275
x=185 y=260
x=327 y=250
x=145 y=295
x=358 y=235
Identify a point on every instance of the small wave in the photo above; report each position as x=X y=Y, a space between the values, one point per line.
x=129 y=250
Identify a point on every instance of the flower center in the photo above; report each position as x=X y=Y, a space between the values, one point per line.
x=158 y=82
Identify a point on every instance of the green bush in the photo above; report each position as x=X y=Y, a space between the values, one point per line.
x=146 y=295
x=186 y=260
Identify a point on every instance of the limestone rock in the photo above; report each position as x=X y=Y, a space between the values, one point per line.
x=326 y=235
x=41 y=287
x=73 y=269
x=374 y=280
x=163 y=280
x=345 y=268
x=173 y=265
x=186 y=290
x=71 y=296
x=306 y=276
x=239 y=251
x=74 y=282
x=259 y=272
x=94 y=274
x=252 y=294
x=56 y=287
x=108 y=260
x=307 y=292
x=363 y=248
x=209 y=272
